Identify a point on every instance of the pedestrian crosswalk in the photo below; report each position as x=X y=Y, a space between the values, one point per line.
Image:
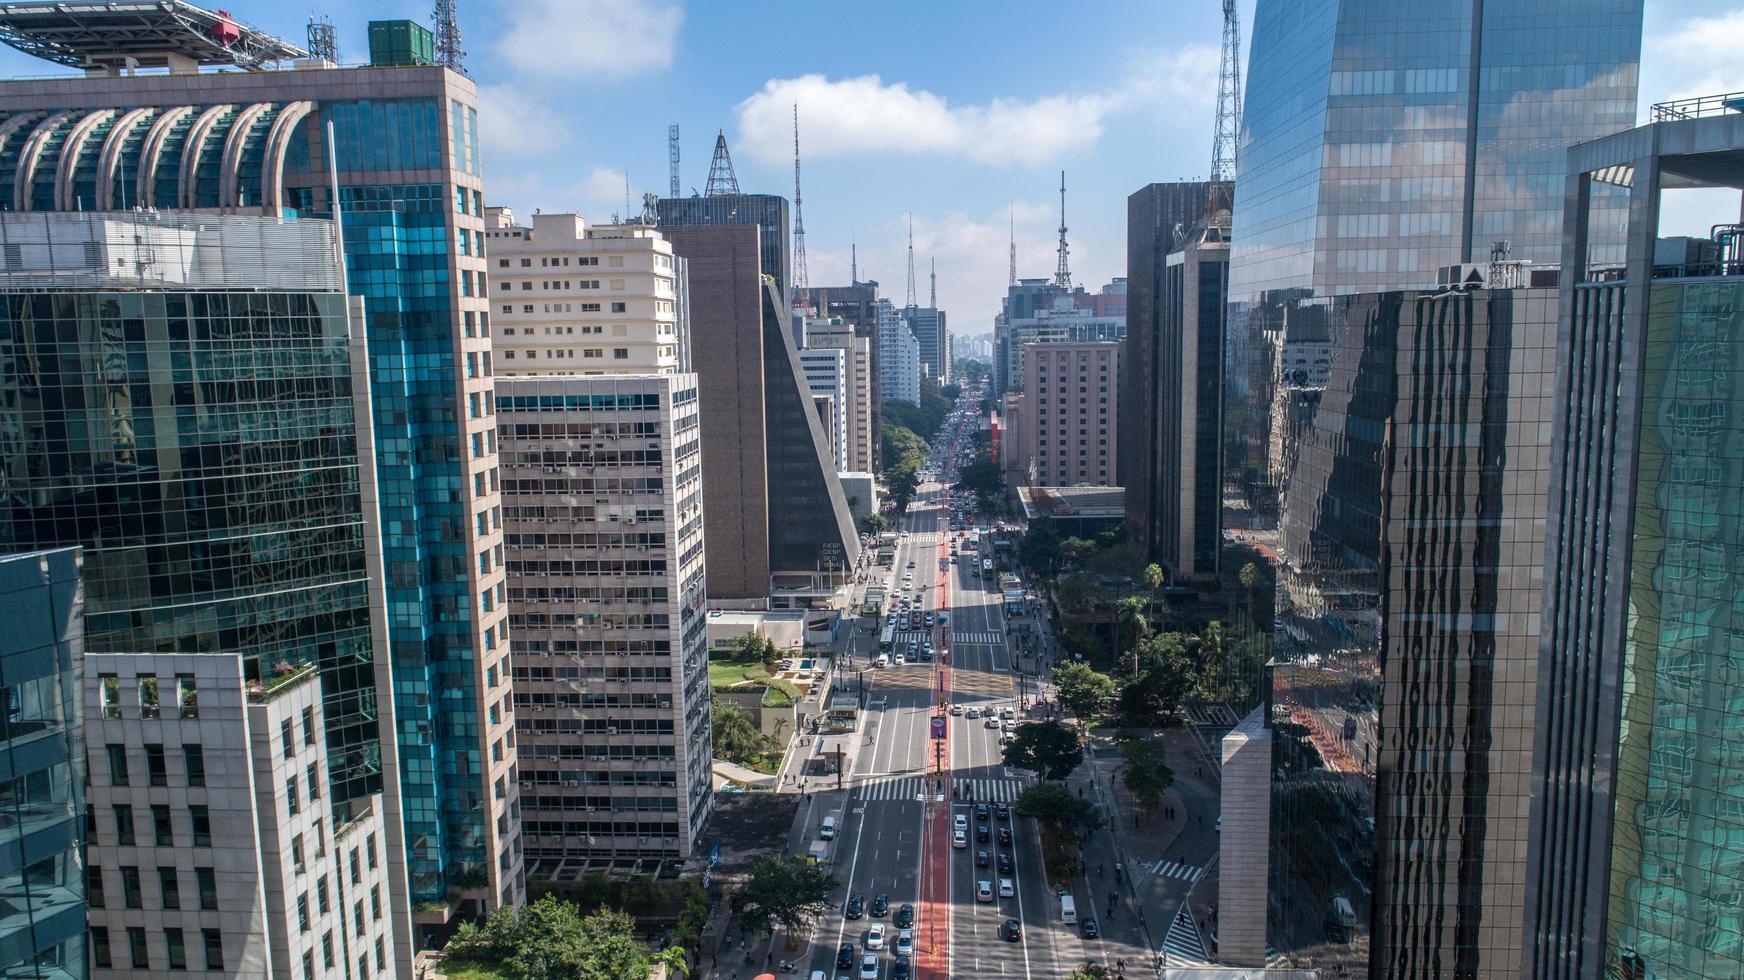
x=970 y=636
x=889 y=788
x=1175 y=869
x=1182 y=946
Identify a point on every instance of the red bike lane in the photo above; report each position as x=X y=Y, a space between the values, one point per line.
x=934 y=960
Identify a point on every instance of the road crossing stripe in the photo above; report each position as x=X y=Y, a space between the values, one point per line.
x=1175 y=869
x=1183 y=941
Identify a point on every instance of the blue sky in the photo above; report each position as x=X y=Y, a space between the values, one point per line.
x=951 y=111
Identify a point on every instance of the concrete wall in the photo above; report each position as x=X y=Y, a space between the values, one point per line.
x=1243 y=847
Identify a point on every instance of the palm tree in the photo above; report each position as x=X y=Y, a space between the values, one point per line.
x=1129 y=612
x=1153 y=576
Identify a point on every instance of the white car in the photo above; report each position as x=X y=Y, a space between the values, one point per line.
x=905 y=943
x=899 y=661
x=984 y=891
x=992 y=722
x=959 y=839
x=875 y=936
x=960 y=821
x=869 y=967
x=1005 y=889
x=972 y=713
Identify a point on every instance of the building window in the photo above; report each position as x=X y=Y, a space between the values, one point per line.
x=327 y=949
x=375 y=903
x=618 y=308
x=303 y=912
x=214 y=948
x=202 y=826
x=94 y=887
x=297 y=852
x=162 y=830
x=286 y=736
x=111 y=687
x=314 y=776
x=369 y=849
x=188 y=695
x=308 y=726
x=157 y=774
x=100 y=947
x=207 y=880
x=381 y=960
x=177 y=953
x=130 y=894
x=136 y=948
x=117 y=765
x=291 y=801
x=194 y=761
x=148 y=706
x=321 y=894
x=170 y=887
x=123 y=825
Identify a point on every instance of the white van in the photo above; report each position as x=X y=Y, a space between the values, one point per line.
x=1068 y=910
x=828 y=830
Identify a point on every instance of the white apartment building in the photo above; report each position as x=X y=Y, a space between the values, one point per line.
x=576 y=300
x=602 y=485
x=899 y=366
x=820 y=333
x=826 y=375
x=216 y=847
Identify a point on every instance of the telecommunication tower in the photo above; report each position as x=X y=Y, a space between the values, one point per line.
x=449 y=53
x=910 y=303
x=323 y=39
x=799 y=274
x=1063 y=274
x=1224 y=140
x=933 y=299
x=672 y=159
x=853 y=262
x=1011 y=274
x=721 y=179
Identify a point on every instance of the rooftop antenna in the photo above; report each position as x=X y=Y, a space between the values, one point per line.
x=911 y=261
x=1063 y=275
x=721 y=179
x=933 y=301
x=1223 y=142
x=1011 y=274
x=628 y=214
x=799 y=274
x=853 y=262
x=449 y=53
x=672 y=158
x=323 y=39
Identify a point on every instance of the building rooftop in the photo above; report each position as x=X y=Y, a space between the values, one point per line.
x=128 y=34
x=1087 y=502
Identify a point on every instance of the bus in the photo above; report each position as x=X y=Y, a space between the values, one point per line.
x=887 y=639
x=972 y=541
x=873 y=603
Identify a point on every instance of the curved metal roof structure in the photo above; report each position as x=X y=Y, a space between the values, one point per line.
x=119 y=34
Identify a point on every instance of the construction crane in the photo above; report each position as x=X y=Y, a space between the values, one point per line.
x=1227 y=135
x=672 y=158
x=800 y=279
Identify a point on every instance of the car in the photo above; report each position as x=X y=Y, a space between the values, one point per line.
x=1006 y=889
x=981 y=811
x=972 y=713
x=869 y=967
x=956 y=709
x=875 y=936
x=1002 y=811
x=845 y=957
x=903 y=970
x=992 y=722
x=960 y=821
x=929 y=620
x=1005 y=863
x=899 y=660
x=880 y=905
x=1087 y=928
x=959 y=839
x=981 y=834
x=1011 y=930
x=905 y=916
x=1005 y=837
x=856 y=907
x=983 y=891
x=911 y=563
x=1009 y=727
x=1007 y=714
x=981 y=859
x=905 y=942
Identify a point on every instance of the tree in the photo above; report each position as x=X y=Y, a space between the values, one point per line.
x=1047 y=748
x=1083 y=690
x=1130 y=622
x=874 y=523
x=736 y=736
x=550 y=939
x=1039 y=548
x=1162 y=676
x=784 y=891
x=1076 y=550
x=1091 y=971
x=1145 y=771
x=1056 y=807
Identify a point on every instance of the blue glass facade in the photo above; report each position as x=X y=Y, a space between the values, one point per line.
x=42 y=757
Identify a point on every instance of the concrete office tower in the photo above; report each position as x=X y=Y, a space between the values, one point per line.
x=934 y=339
x=1035 y=311
x=216 y=851
x=857 y=306
x=835 y=333
x=603 y=485
x=1172 y=378
x=768 y=212
x=779 y=530
x=1067 y=433
x=407 y=156
x=572 y=299
x=43 y=931
x=1634 y=845
x=1408 y=588
x=827 y=378
x=1244 y=825
x=899 y=364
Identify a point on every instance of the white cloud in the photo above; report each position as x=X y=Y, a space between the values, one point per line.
x=1695 y=56
x=514 y=125
x=867 y=114
x=571 y=38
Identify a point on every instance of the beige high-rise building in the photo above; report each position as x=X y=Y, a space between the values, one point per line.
x=822 y=333
x=601 y=444
x=1070 y=412
x=572 y=299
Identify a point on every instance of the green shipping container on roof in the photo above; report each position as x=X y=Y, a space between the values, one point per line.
x=400 y=42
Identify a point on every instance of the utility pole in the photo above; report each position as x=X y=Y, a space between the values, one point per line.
x=1063 y=274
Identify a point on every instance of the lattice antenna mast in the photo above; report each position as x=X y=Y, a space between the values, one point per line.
x=1011 y=274
x=672 y=160
x=800 y=278
x=911 y=262
x=1063 y=274
x=449 y=53
x=323 y=39
x=1227 y=135
x=721 y=179
x=933 y=300
x=853 y=262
